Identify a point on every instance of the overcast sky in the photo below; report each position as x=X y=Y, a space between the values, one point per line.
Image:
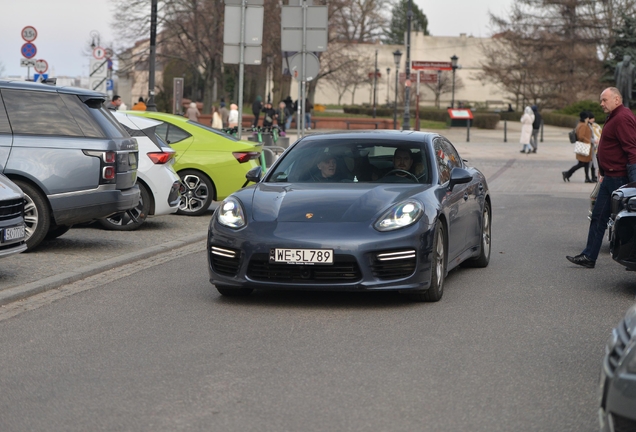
x=64 y=28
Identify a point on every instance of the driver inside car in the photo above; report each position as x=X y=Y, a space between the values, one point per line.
x=402 y=164
x=326 y=168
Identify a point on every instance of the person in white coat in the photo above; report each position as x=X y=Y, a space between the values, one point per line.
x=526 y=130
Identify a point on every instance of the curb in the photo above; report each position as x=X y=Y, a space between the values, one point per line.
x=21 y=292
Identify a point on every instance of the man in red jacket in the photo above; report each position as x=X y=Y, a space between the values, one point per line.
x=616 y=156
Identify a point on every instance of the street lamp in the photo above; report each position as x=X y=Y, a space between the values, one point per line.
x=270 y=60
x=454 y=59
x=406 y=124
x=388 y=85
x=397 y=55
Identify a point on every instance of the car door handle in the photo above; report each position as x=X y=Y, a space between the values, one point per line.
x=465 y=196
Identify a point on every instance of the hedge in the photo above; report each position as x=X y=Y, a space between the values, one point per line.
x=557 y=119
x=485 y=120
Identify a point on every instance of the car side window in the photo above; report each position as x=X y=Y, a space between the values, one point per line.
x=39 y=113
x=454 y=161
x=5 y=127
x=175 y=134
x=87 y=124
x=443 y=163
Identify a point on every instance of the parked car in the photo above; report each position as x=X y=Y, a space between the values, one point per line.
x=211 y=164
x=617 y=392
x=12 y=230
x=71 y=158
x=622 y=223
x=372 y=210
x=158 y=182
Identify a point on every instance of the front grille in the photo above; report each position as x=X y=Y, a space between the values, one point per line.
x=623 y=424
x=225 y=261
x=344 y=269
x=11 y=209
x=394 y=264
x=619 y=349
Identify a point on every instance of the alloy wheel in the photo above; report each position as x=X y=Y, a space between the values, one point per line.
x=194 y=194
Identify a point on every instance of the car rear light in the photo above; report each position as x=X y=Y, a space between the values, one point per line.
x=109 y=157
x=243 y=157
x=160 y=158
x=108 y=173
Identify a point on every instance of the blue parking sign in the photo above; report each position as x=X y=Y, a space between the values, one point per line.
x=109 y=84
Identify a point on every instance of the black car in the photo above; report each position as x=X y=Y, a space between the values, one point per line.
x=622 y=224
x=372 y=210
x=617 y=392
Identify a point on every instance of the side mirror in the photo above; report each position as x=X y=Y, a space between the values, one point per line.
x=255 y=174
x=459 y=176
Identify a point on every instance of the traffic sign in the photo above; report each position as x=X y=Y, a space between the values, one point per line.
x=28 y=50
x=29 y=33
x=98 y=69
x=27 y=62
x=424 y=77
x=99 y=53
x=108 y=53
x=433 y=65
x=109 y=85
x=41 y=66
x=36 y=77
x=97 y=84
x=378 y=74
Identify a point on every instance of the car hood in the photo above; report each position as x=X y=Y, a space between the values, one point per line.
x=9 y=190
x=349 y=202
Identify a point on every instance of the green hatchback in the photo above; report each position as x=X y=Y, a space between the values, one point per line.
x=211 y=164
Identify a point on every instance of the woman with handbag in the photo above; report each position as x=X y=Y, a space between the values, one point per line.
x=526 y=130
x=582 y=149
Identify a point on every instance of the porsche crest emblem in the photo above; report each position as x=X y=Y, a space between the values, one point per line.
x=309 y=215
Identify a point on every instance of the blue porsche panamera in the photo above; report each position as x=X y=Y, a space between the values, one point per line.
x=356 y=211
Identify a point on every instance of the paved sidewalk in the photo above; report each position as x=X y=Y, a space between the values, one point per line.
x=87 y=251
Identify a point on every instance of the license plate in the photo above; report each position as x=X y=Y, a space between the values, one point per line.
x=13 y=234
x=301 y=256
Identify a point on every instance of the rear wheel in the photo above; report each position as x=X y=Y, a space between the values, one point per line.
x=438 y=269
x=197 y=193
x=234 y=292
x=484 y=256
x=130 y=219
x=37 y=216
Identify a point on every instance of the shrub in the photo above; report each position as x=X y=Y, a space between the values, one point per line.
x=440 y=115
x=584 y=105
x=379 y=111
x=485 y=120
x=556 y=119
x=510 y=115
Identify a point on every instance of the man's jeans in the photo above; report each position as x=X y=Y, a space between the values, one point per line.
x=601 y=214
x=288 y=121
x=534 y=139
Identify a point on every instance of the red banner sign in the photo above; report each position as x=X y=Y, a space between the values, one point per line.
x=433 y=65
x=378 y=74
x=428 y=78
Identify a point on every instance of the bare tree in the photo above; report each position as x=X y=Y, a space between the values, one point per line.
x=444 y=85
x=358 y=20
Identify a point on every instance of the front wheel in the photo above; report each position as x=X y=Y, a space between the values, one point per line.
x=438 y=269
x=37 y=216
x=197 y=193
x=130 y=219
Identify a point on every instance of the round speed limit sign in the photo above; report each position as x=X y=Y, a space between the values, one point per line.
x=29 y=33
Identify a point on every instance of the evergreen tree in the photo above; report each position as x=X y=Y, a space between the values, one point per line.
x=394 y=35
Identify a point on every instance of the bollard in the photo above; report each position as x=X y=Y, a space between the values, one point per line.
x=468 y=130
x=541 y=130
x=505 y=130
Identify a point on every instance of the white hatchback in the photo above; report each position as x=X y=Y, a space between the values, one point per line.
x=158 y=182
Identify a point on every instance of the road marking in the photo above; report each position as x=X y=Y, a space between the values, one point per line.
x=501 y=170
x=37 y=301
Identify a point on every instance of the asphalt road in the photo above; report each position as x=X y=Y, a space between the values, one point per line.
x=152 y=346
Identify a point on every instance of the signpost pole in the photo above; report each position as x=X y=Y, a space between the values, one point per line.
x=407 y=91
x=304 y=72
x=417 y=103
x=241 y=68
x=375 y=81
x=151 y=106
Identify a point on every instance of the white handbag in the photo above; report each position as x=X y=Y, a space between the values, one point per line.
x=581 y=148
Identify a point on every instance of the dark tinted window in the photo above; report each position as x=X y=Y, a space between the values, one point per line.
x=443 y=163
x=107 y=122
x=171 y=134
x=86 y=122
x=39 y=113
x=454 y=161
x=4 y=121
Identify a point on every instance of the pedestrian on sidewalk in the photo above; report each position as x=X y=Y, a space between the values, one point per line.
x=140 y=105
x=192 y=112
x=269 y=116
x=291 y=108
x=536 y=126
x=217 y=122
x=584 y=135
x=526 y=130
x=225 y=114
x=282 y=114
x=596 y=138
x=233 y=117
x=257 y=106
x=617 y=167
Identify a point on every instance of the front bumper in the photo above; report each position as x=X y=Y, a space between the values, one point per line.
x=240 y=258
x=623 y=239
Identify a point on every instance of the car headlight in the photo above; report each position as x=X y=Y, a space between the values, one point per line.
x=230 y=213
x=400 y=215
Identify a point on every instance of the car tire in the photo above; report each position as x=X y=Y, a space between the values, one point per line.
x=234 y=292
x=197 y=193
x=37 y=216
x=438 y=269
x=56 y=231
x=484 y=255
x=131 y=219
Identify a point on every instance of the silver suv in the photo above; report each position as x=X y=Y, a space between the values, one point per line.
x=71 y=158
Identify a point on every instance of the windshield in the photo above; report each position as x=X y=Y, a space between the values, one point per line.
x=353 y=160
x=216 y=131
